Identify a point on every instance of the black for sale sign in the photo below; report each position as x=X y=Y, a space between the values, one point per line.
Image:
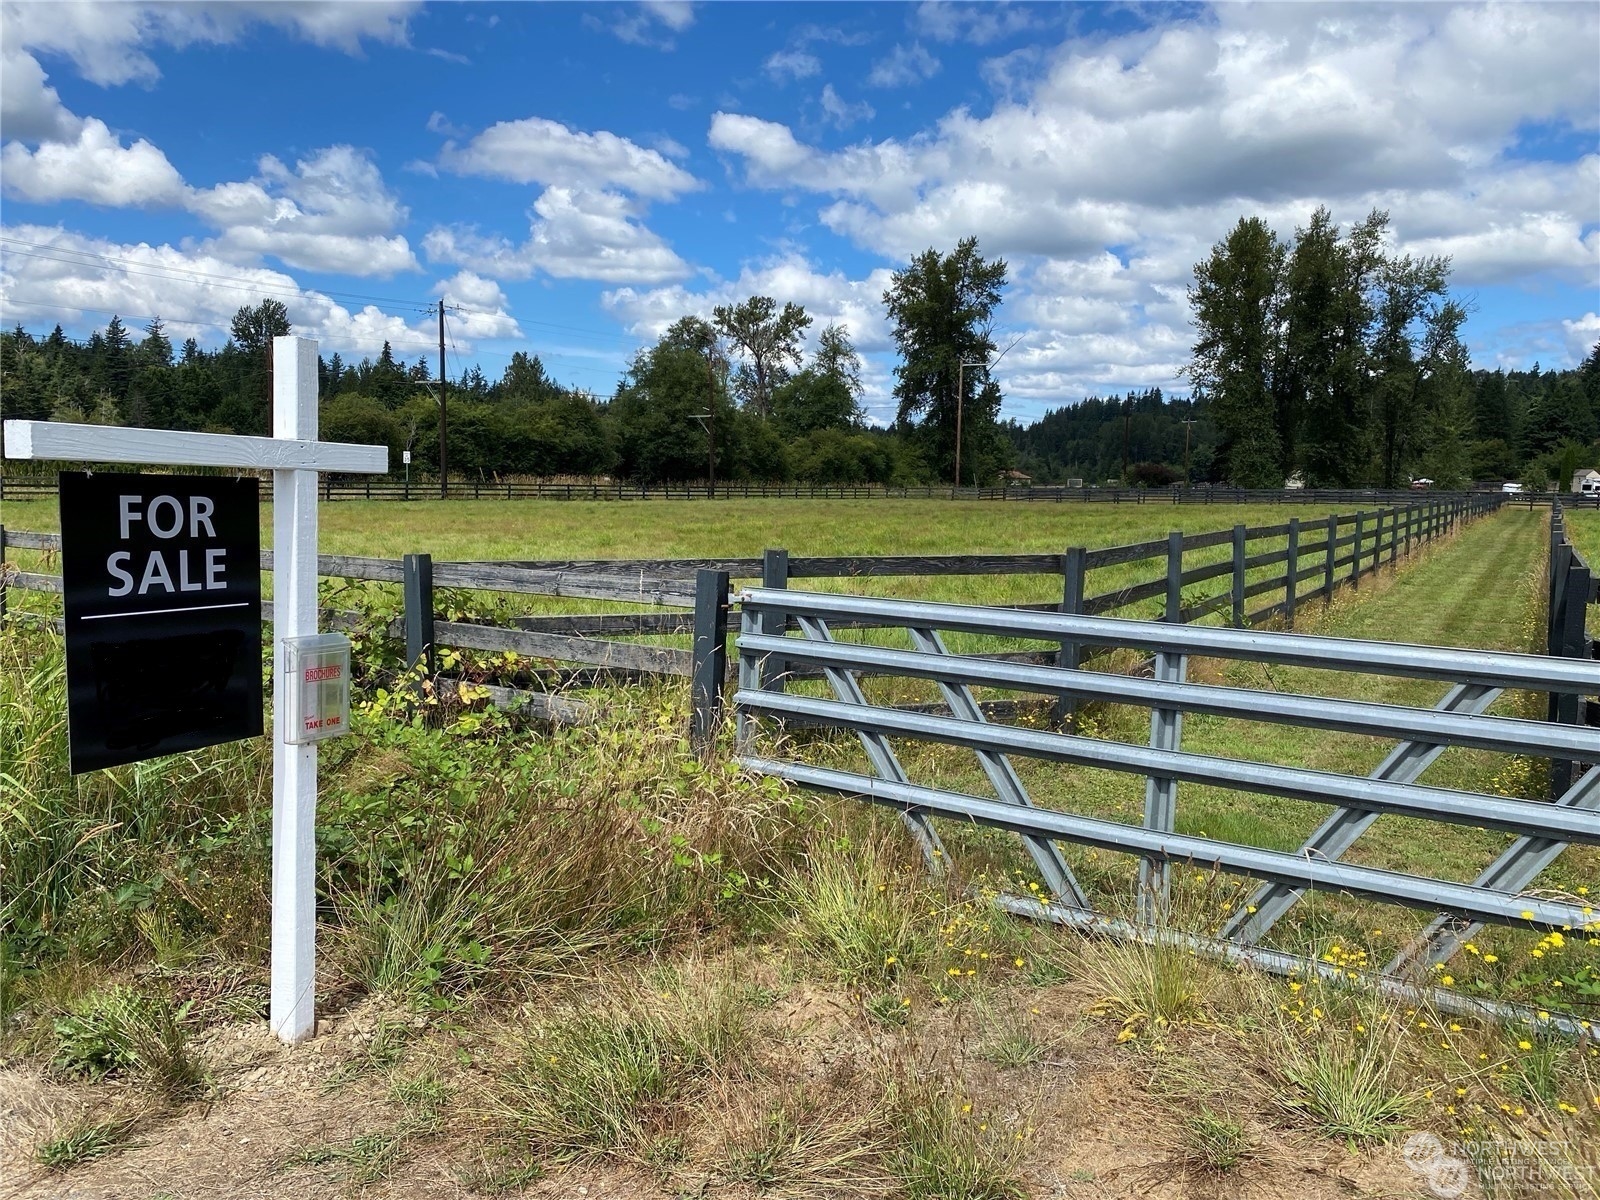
x=162 y=588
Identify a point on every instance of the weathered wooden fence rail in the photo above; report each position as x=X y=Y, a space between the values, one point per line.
x=1326 y=552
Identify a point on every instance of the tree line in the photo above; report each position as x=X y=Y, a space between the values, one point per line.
x=1323 y=358
x=1330 y=358
x=735 y=397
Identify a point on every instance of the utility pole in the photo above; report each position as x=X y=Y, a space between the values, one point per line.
x=711 y=426
x=1188 y=423
x=1127 y=423
x=444 y=458
x=961 y=395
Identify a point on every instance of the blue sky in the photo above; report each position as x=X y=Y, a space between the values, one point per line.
x=577 y=176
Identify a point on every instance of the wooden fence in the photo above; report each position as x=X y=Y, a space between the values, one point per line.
x=1572 y=588
x=332 y=488
x=668 y=598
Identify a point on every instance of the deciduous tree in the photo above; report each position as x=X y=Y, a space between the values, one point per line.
x=942 y=307
x=767 y=340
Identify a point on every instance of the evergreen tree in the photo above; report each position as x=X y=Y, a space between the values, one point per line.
x=156 y=349
x=1235 y=298
x=827 y=393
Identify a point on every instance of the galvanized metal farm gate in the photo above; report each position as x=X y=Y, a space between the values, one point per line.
x=1501 y=893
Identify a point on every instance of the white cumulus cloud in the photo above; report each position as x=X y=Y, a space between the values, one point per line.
x=537 y=150
x=95 y=167
x=67 y=276
x=575 y=233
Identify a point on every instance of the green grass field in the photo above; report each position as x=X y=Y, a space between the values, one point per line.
x=542 y=529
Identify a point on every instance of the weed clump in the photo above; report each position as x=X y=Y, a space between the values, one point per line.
x=850 y=908
x=1146 y=985
x=607 y=1077
x=83 y=1142
x=1350 y=1091
x=943 y=1147
x=122 y=1030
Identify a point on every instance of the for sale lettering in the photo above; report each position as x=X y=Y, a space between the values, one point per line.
x=167 y=517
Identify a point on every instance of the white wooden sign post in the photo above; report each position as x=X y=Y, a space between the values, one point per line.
x=294 y=457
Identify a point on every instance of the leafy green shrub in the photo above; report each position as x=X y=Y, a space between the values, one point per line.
x=92 y=1039
x=458 y=858
x=85 y=856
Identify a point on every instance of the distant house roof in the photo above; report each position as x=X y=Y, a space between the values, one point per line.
x=1016 y=476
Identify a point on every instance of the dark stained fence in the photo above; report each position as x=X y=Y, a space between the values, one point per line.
x=583 y=648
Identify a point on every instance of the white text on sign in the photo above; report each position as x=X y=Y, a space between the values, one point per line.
x=167 y=517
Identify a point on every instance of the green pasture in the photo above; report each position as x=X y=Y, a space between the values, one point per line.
x=551 y=529
x=533 y=529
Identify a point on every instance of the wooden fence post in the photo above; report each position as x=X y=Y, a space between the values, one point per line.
x=1573 y=640
x=1074 y=569
x=416 y=572
x=774 y=574
x=3 y=573
x=1291 y=585
x=710 y=656
x=1329 y=557
x=1175 y=578
x=1238 y=576
x=1355 y=554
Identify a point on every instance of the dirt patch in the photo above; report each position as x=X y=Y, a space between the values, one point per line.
x=322 y=1119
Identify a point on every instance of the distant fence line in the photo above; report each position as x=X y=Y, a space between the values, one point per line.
x=334 y=489
x=1329 y=551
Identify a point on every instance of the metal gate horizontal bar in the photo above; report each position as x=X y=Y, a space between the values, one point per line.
x=1490 y=668
x=1529 y=817
x=1505 y=734
x=1414 y=891
x=1281 y=962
